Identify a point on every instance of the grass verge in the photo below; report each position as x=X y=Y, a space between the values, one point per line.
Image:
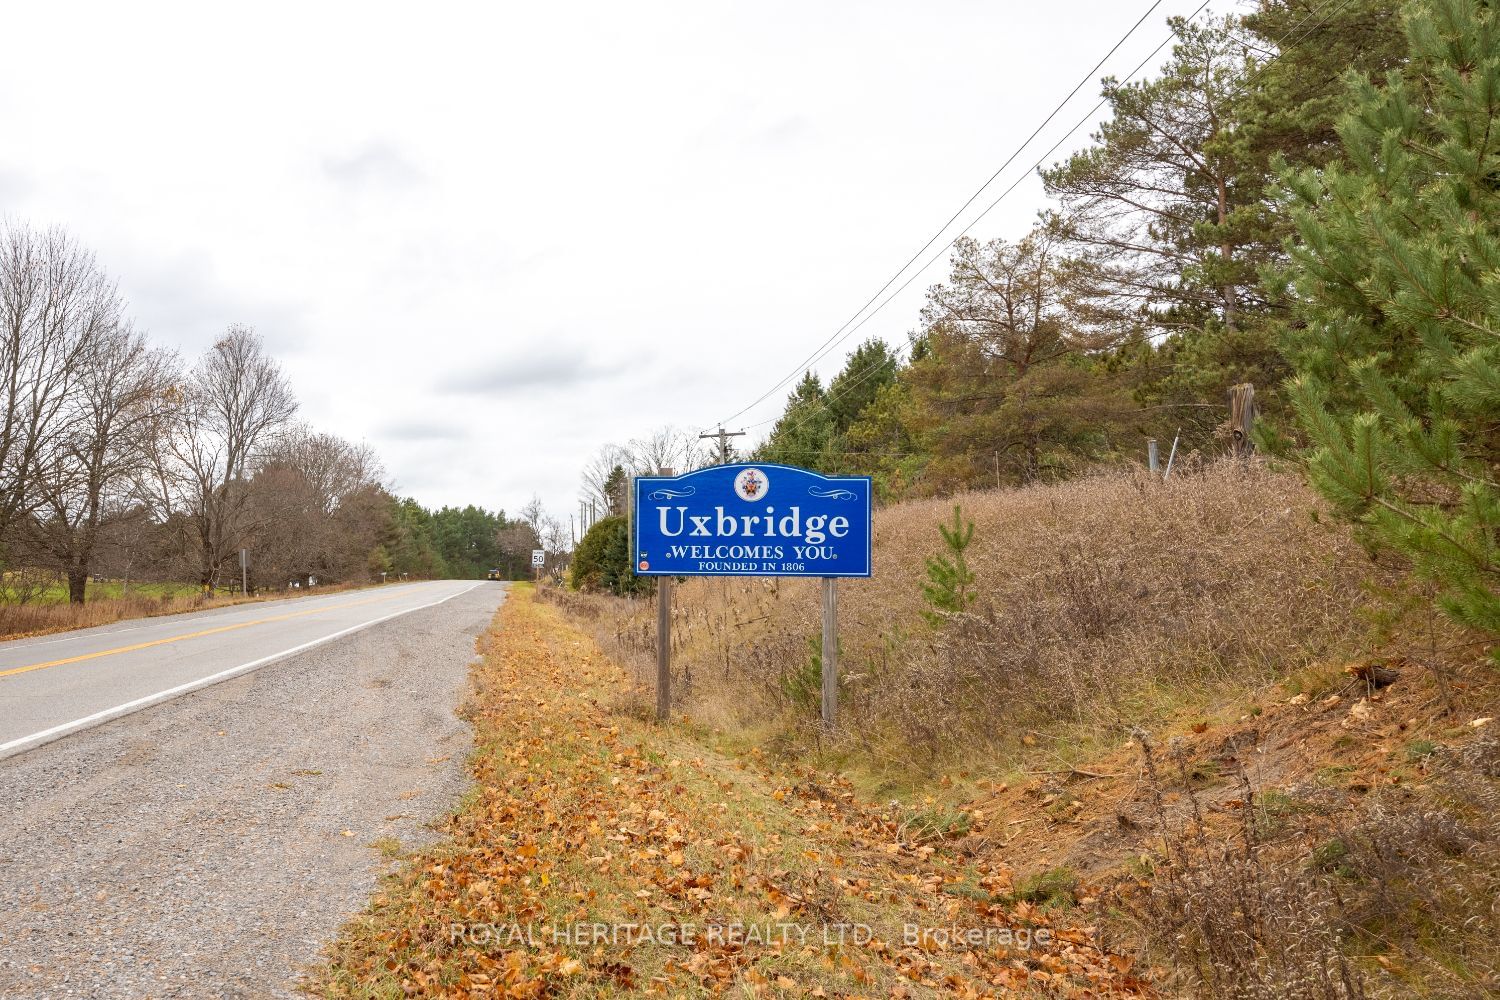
x=599 y=855
x=22 y=621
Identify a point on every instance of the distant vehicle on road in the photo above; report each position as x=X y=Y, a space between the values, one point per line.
x=494 y=574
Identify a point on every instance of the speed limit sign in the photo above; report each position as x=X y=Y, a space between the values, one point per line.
x=538 y=558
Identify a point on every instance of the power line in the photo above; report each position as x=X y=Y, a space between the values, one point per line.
x=954 y=217
x=895 y=357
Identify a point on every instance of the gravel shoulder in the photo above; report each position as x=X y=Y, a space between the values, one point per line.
x=209 y=846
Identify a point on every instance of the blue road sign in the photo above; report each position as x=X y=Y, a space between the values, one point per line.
x=752 y=520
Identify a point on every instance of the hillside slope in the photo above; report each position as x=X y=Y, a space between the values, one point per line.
x=1166 y=697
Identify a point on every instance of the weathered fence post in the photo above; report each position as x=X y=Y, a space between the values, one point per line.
x=1171 y=455
x=830 y=654
x=1153 y=457
x=1242 y=419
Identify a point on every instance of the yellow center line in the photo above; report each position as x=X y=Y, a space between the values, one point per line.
x=190 y=635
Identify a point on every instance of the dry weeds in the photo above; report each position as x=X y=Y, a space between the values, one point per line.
x=1329 y=831
x=1314 y=897
x=1103 y=603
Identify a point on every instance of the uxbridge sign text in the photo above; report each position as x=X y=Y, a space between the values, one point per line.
x=751 y=520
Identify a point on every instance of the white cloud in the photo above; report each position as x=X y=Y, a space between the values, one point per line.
x=487 y=237
x=374 y=163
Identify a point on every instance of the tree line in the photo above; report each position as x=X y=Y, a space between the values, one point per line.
x=119 y=459
x=1144 y=291
x=1303 y=199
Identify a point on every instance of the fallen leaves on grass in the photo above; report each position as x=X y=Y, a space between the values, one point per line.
x=599 y=856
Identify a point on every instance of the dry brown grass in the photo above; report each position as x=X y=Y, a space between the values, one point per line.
x=19 y=621
x=1232 y=921
x=1102 y=603
x=1319 y=895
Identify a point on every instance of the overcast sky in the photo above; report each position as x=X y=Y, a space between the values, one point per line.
x=487 y=238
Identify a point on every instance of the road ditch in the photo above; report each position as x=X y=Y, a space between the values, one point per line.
x=598 y=854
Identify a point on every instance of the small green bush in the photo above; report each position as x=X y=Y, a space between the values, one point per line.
x=1053 y=887
x=802 y=685
x=602 y=560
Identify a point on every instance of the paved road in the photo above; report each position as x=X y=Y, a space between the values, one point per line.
x=56 y=685
x=207 y=846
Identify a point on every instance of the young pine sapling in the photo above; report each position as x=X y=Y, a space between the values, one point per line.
x=949 y=582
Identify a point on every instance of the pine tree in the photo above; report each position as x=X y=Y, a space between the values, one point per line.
x=813 y=429
x=1008 y=386
x=1164 y=215
x=868 y=368
x=804 y=434
x=1159 y=204
x=948 y=574
x=1293 y=103
x=617 y=489
x=1398 y=279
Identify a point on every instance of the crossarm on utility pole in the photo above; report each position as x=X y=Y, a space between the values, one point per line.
x=723 y=436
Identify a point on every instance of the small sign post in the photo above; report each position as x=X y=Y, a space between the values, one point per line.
x=538 y=562
x=751 y=520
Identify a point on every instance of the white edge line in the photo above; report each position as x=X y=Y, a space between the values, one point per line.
x=109 y=714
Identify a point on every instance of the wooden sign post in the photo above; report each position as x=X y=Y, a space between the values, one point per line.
x=830 y=653
x=664 y=642
x=663 y=648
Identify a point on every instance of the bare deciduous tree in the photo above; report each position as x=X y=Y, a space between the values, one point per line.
x=319 y=508
x=109 y=425
x=667 y=448
x=232 y=405
x=516 y=541
x=54 y=304
x=533 y=514
x=598 y=472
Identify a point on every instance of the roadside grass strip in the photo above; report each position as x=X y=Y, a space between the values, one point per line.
x=598 y=855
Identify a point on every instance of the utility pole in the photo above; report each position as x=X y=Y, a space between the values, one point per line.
x=723 y=437
x=244 y=573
